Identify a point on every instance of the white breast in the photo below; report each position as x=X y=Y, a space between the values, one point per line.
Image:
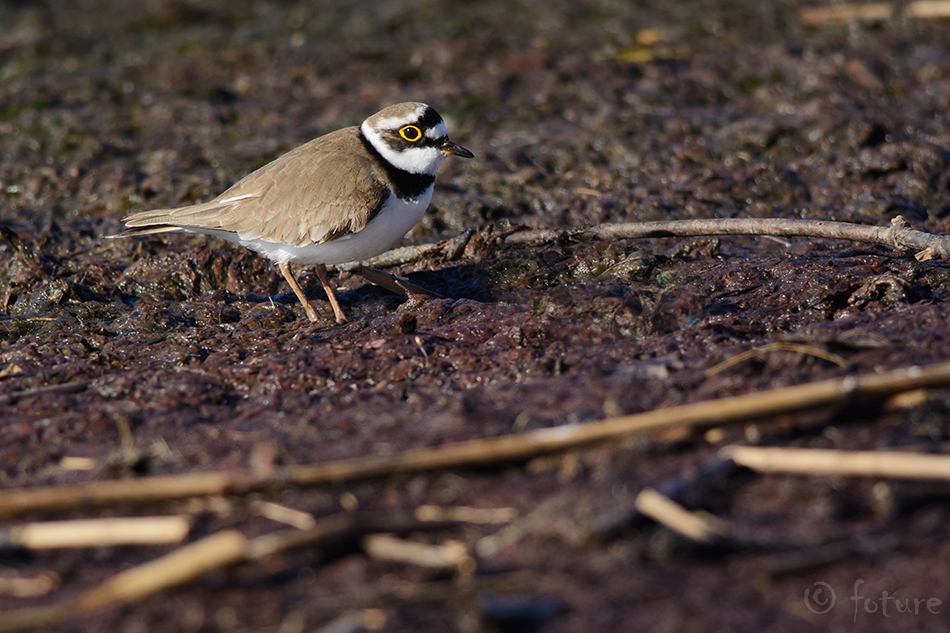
x=389 y=226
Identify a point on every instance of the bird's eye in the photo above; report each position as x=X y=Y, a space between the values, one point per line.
x=411 y=133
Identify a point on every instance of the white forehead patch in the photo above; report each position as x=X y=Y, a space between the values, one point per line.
x=437 y=132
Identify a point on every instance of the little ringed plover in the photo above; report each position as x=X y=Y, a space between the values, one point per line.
x=343 y=197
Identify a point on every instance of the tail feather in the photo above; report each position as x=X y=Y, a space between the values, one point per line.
x=147 y=222
x=169 y=220
x=146 y=230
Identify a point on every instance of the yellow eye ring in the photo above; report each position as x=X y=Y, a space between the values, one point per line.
x=411 y=133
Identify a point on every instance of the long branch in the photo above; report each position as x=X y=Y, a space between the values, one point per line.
x=897 y=235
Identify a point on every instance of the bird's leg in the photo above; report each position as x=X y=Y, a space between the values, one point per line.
x=289 y=276
x=331 y=295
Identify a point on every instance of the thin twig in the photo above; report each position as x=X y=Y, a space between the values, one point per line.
x=69 y=387
x=517 y=447
x=539 y=518
x=781 y=346
x=458 y=245
x=454 y=248
x=396 y=257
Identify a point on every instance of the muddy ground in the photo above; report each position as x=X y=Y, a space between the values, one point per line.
x=579 y=113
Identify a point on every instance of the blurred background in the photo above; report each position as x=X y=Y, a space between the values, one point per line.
x=579 y=112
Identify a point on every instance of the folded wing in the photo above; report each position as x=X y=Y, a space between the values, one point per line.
x=320 y=191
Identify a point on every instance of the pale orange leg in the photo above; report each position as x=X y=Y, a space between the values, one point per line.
x=331 y=295
x=289 y=276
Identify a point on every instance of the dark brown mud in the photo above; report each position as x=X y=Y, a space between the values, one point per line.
x=197 y=351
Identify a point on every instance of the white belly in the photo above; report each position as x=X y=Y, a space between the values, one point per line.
x=389 y=226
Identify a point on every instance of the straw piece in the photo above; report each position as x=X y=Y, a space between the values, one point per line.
x=928 y=9
x=702 y=528
x=29 y=587
x=840 y=14
x=466 y=514
x=97 y=532
x=808 y=461
x=282 y=514
x=449 y=555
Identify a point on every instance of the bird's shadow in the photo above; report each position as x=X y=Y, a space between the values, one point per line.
x=466 y=281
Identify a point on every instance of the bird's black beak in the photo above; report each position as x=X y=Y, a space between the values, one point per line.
x=456 y=150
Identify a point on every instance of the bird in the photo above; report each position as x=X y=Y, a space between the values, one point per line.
x=343 y=197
